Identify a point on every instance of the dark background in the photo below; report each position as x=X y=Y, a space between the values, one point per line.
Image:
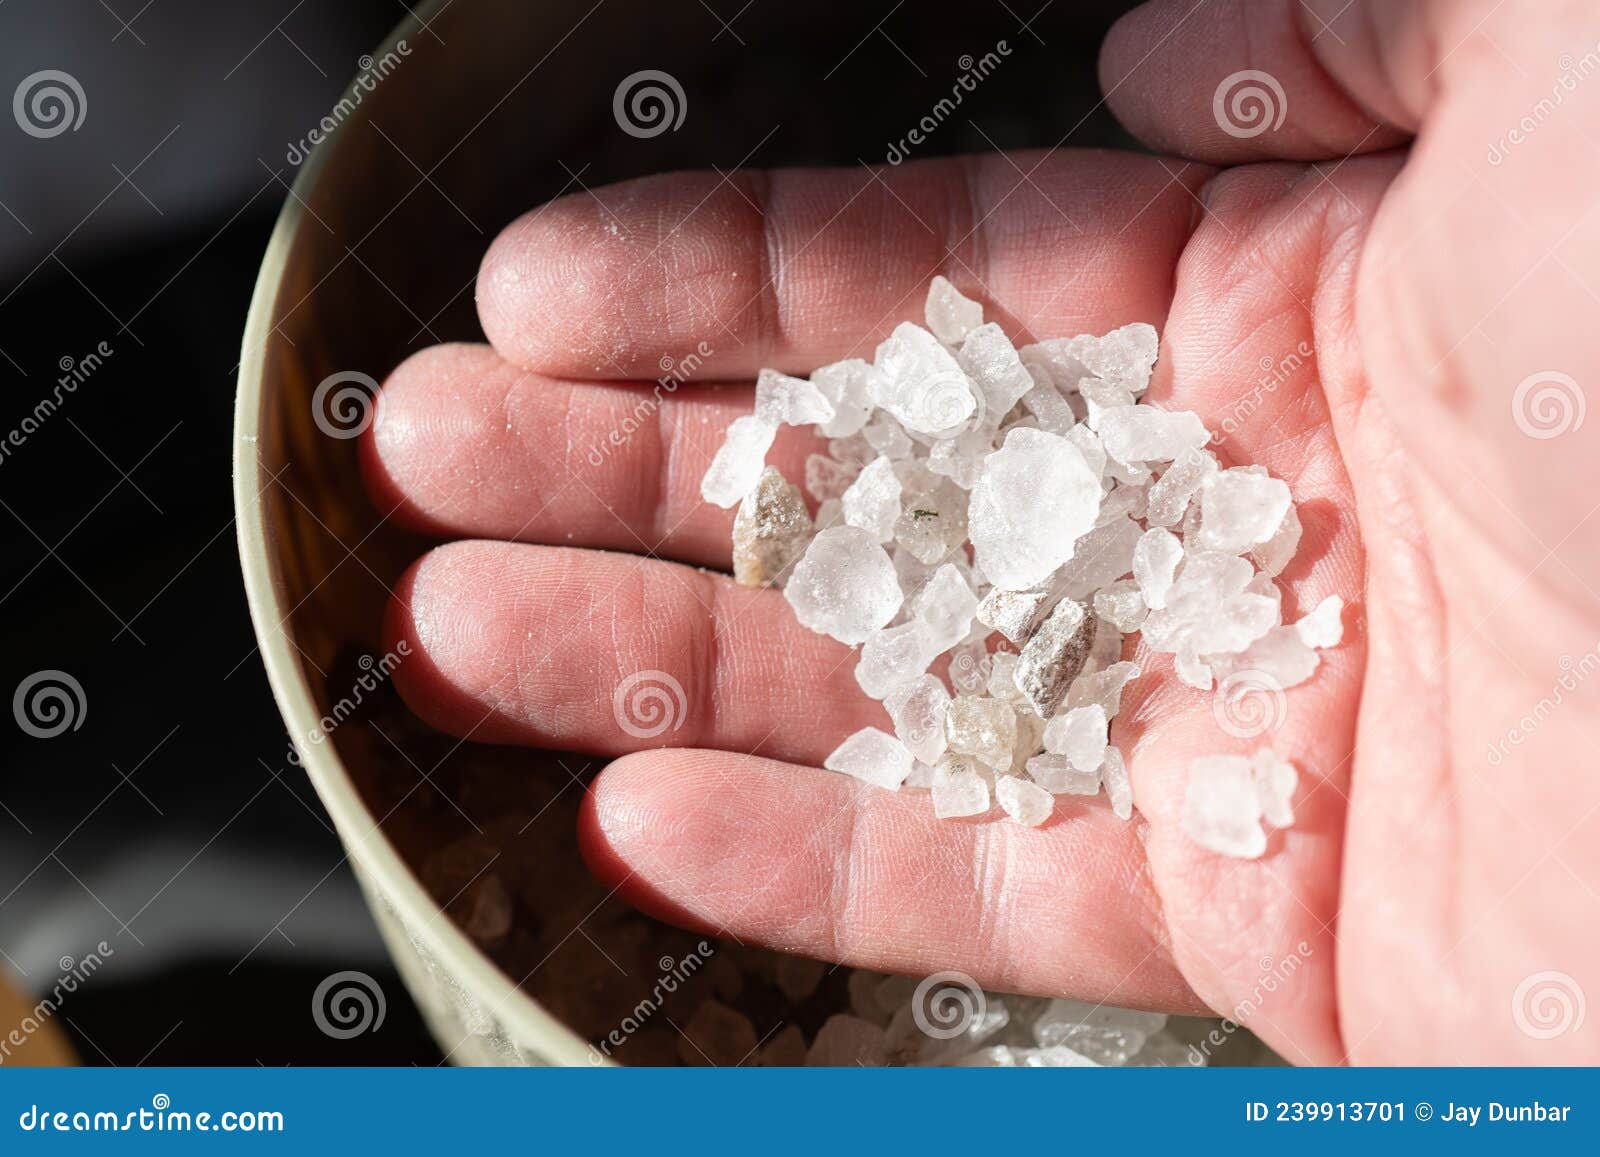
x=170 y=823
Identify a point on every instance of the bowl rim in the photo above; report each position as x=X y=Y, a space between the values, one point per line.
x=424 y=921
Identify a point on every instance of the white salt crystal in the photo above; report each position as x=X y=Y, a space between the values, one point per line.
x=1012 y=1057
x=1121 y=604
x=894 y=657
x=921 y=776
x=1102 y=688
x=1102 y=556
x=921 y=382
x=1280 y=656
x=1103 y=1034
x=1080 y=735
x=950 y=314
x=1047 y=405
x=1155 y=559
x=1119 y=789
x=981 y=727
x=1275 y=780
x=830 y=513
x=853 y=451
x=969 y=664
x=846 y=1041
x=960 y=458
x=946 y=605
x=1124 y=356
x=918 y=708
x=991 y=360
x=1056 y=774
x=1025 y=802
x=1102 y=396
x=736 y=468
x=872 y=756
x=872 y=501
x=1323 y=626
x=844 y=585
x=1240 y=508
x=959 y=789
x=790 y=401
x=1011 y=612
x=827 y=478
x=1170 y=494
x=848 y=387
x=1034 y=500
x=1002 y=675
x=1279 y=550
x=1090 y=446
x=932 y=523
x=1221 y=810
x=1145 y=434
x=888 y=437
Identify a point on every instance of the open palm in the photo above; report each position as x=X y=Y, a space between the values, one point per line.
x=1359 y=327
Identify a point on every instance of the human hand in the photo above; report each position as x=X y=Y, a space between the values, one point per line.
x=1394 y=300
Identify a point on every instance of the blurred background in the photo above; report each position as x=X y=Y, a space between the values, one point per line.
x=158 y=847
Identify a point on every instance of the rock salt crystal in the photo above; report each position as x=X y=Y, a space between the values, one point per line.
x=844 y=585
x=981 y=727
x=1057 y=775
x=917 y=709
x=872 y=756
x=1240 y=508
x=737 y=465
x=872 y=501
x=1035 y=498
x=1054 y=655
x=770 y=531
x=1323 y=626
x=921 y=383
x=1221 y=809
x=790 y=401
x=959 y=789
x=1155 y=560
x=1025 y=802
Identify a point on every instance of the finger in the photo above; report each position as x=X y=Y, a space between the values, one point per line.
x=813 y=862
x=795 y=268
x=466 y=445
x=609 y=653
x=1243 y=80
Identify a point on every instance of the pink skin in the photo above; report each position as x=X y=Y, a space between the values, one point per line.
x=1423 y=880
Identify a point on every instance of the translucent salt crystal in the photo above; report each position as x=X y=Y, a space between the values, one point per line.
x=854 y=451
x=790 y=401
x=960 y=458
x=1106 y=649
x=1275 y=780
x=1102 y=556
x=770 y=531
x=1121 y=604
x=946 y=605
x=848 y=387
x=888 y=437
x=969 y=666
x=1280 y=656
x=944 y=1008
x=798 y=977
x=1146 y=434
x=893 y=657
x=1105 y=1035
x=872 y=501
x=1221 y=811
x=1100 y=397
x=827 y=478
x=872 y=756
x=1090 y=446
x=738 y=462
x=1124 y=501
x=1030 y=735
x=950 y=314
x=921 y=382
x=717 y=1035
x=1279 y=550
x=1102 y=688
x=844 y=585
x=1322 y=627
x=981 y=727
x=959 y=789
x=1170 y=494
x=1054 y=655
x=1036 y=497
x=1155 y=559
x=785 y=1050
x=917 y=709
x=1240 y=508
x=921 y=776
x=1047 y=405
x=1125 y=356
x=1119 y=789
x=1191 y=670
x=933 y=522
x=1012 y=612
x=1002 y=677
x=1209 y=610
x=1056 y=774
x=1012 y=1057
x=830 y=513
x=846 y=1041
x=1022 y=800
x=1080 y=735
x=991 y=360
